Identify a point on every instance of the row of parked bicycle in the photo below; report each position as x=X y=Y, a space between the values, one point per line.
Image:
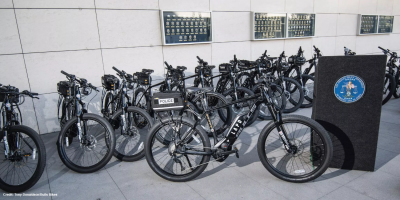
x=172 y=127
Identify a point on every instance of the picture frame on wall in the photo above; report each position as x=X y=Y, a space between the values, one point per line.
x=267 y=26
x=375 y=24
x=186 y=27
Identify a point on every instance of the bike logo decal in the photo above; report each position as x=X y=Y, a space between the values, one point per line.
x=349 y=89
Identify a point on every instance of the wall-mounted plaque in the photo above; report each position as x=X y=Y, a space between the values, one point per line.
x=300 y=25
x=368 y=24
x=181 y=27
x=385 y=24
x=268 y=26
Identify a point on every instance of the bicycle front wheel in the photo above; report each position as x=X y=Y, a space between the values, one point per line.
x=109 y=105
x=24 y=164
x=307 y=158
x=396 y=93
x=177 y=160
x=293 y=93
x=388 y=88
x=93 y=150
x=220 y=118
x=244 y=106
x=308 y=89
x=131 y=130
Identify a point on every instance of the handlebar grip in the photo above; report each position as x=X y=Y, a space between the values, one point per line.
x=34 y=93
x=65 y=73
x=165 y=62
x=117 y=70
x=381 y=48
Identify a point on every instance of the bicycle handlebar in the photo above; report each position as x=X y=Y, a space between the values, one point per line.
x=71 y=76
x=117 y=70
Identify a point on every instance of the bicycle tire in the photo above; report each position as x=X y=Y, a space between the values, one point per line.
x=389 y=84
x=294 y=95
x=138 y=123
x=396 y=93
x=241 y=77
x=107 y=149
x=308 y=89
x=40 y=156
x=320 y=154
x=143 y=98
x=170 y=175
x=225 y=114
x=109 y=105
x=242 y=93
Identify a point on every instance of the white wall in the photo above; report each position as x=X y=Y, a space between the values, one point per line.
x=38 y=38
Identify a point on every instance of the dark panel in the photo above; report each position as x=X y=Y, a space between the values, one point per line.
x=353 y=127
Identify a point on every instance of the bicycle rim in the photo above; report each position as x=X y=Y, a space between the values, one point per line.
x=95 y=145
x=20 y=167
x=310 y=155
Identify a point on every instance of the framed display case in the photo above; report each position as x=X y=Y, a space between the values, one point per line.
x=385 y=24
x=300 y=25
x=268 y=26
x=184 y=27
x=367 y=24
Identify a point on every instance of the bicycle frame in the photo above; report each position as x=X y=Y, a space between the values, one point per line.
x=239 y=123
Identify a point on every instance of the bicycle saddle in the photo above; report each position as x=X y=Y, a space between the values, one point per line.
x=196 y=89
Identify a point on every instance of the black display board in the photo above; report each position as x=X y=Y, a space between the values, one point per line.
x=181 y=27
x=301 y=25
x=385 y=24
x=353 y=127
x=368 y=24
x=269 y=26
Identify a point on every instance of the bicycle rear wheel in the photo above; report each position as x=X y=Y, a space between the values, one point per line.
x=24 y=168
x=130 y=138
x=173 y=161
x=95 y=148
x=310 y=154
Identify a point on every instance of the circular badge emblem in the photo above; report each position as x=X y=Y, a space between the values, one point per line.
x=349 y=89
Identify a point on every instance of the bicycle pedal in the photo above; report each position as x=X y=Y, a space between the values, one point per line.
x=237 y=152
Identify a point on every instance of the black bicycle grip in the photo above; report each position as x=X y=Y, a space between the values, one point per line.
x=381 y=48
x=34 y=93
x=117 y=70
x=65 y=73
x=165 y=62
x=198 y=58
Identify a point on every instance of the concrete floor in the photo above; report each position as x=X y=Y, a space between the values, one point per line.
x=243 y=178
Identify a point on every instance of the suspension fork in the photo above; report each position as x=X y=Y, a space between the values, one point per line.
x=277 y=118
